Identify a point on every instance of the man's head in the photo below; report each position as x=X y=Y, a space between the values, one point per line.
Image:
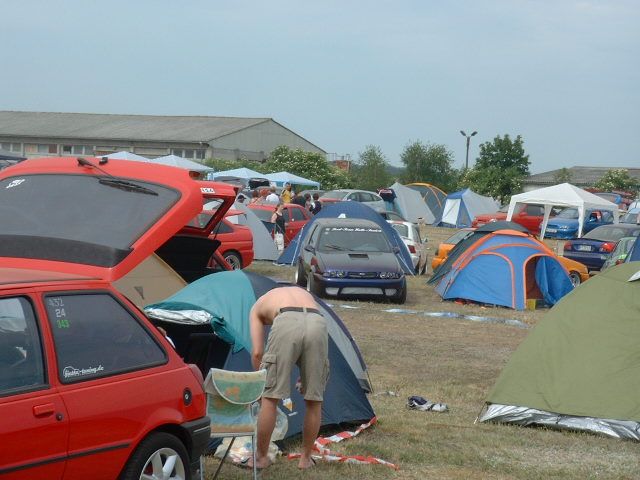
x=307 y=196
x=287 y=186
x=316 y=196
x=272 y=189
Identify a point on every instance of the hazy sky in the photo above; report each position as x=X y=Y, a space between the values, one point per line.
x=564 y=74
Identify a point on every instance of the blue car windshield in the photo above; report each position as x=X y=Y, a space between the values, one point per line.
x=568 y=213
x=353 y=239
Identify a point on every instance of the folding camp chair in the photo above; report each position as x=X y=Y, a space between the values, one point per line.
x=231 y=398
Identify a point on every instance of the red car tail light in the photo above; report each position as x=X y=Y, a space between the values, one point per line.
x=567 y=246
x=607 y=247
x=412 y=248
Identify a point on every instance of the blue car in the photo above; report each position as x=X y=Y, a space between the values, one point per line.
x=594 y=248
x=564 y=226
x=350 y=257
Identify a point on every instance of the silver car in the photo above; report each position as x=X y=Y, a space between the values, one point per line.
x=371 y=199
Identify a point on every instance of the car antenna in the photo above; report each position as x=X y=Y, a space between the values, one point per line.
x=86 y=163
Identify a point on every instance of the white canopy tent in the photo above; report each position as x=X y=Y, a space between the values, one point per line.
x=124 y=155
x=238 y=172
x=563 y=195
x=280 y=178
x=175 y=161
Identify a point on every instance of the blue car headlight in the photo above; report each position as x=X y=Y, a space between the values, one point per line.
x=335 y=274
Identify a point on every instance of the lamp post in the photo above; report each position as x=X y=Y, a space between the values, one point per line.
x=468 y=137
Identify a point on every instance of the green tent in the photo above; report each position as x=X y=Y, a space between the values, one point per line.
x=579 y=369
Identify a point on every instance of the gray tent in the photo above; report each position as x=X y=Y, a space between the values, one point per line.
x=410 y=205
x=264 y=247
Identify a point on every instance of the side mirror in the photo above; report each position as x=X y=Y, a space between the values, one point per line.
x=396 y=249
x=310 y=249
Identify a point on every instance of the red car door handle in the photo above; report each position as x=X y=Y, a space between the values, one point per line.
x=44 y=410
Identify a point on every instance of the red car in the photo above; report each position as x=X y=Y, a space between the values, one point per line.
x=295 y=218
x=236 y=241
x=89 y=388
x=529 y=216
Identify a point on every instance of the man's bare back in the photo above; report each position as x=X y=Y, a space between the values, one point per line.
x=268 y=305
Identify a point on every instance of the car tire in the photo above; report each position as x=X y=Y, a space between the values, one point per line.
x=401 y=297
x=575 y=278
x=154 y=453
x=233 y=259
x=300 y=278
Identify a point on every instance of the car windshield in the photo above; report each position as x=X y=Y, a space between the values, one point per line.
x=611 y=233
x=336 y=195
x=569 y=213
x=401 y=228
x=353 y=239
x=100 y=210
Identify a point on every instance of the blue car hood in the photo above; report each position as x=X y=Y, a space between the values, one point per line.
x=359 y=261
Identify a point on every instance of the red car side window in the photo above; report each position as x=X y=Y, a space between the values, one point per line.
x=95 y=336
x=21 y=361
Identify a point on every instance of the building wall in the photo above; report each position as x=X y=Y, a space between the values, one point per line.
x=254 y=143
x=257 y=142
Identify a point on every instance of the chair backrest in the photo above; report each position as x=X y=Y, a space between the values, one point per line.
x=230 y=396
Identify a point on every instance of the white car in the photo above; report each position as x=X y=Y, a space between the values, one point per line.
x=410 y=235
x=363 y=196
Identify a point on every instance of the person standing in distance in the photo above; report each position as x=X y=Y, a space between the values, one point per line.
x=273 y=196
x=298 y=337
x=287 y=194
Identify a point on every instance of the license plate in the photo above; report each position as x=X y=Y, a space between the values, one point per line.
x=552 y=230
x=583 y=248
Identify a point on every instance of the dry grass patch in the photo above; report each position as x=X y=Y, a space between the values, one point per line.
x=454 y=361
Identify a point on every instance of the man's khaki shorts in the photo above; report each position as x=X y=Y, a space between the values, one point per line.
x=297 y=338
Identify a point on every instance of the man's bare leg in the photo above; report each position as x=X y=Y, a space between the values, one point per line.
x=266 y=424
x=310 y=431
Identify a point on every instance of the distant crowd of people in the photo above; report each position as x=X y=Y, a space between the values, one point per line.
x=269 y=196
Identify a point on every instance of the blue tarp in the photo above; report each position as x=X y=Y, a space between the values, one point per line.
x=227 y=296
x=502 y=270
x=349 y=210
x=237 y=172
x=461 y=207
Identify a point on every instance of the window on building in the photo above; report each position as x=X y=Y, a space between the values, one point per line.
x=190 y=153
x=11 y=147
x=95 y=336
x=77 y=150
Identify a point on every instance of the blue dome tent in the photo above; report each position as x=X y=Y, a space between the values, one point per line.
x=461 y=207
x=506 y=268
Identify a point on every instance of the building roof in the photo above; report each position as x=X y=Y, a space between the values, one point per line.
x=121 y=127
x=579 y=175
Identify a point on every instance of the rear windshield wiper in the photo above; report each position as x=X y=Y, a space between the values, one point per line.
x=125 y=185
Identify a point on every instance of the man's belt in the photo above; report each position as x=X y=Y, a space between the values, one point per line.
x=300 y=309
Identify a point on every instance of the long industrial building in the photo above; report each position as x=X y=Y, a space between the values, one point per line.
x=35 y=134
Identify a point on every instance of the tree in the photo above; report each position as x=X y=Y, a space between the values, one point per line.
x=500 y=168
x=562 y=176
x=311 y=165
x=370 y=170
x=617 y=179
x=430 y=163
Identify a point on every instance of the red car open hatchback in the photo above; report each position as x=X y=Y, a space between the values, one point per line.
x=88 y=387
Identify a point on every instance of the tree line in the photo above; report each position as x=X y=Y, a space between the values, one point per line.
x=498 y=171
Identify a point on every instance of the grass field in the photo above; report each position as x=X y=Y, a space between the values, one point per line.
x=456 y=362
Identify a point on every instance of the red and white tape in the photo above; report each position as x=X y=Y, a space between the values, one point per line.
x=328 y=456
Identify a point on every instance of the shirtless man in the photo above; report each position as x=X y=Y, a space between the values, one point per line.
x=298 y=336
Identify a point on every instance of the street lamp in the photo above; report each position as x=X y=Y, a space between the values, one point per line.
x=466 y=165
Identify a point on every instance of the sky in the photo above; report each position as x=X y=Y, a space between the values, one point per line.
x=344 y=74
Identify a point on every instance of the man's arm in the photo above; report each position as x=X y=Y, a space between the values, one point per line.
x=257 y=336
